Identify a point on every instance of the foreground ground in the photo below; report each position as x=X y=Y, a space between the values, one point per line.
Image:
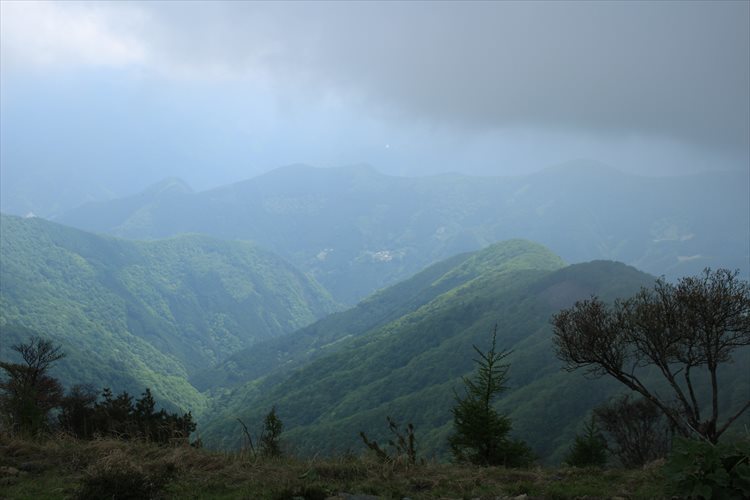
x=66 y=468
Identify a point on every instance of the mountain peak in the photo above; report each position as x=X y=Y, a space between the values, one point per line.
x=169 y=185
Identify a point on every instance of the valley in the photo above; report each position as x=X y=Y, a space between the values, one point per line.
x=227 y=330
x=374 y=250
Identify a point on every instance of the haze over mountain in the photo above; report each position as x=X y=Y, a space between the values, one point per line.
x=99 y=99
x=474 y=163
x=357 y=230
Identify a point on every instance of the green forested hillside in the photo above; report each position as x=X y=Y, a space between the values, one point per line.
x=136 y=314
x=278 y=355
x=227 y=330
x=357 y=230
x=418 y=353
x=409 y=367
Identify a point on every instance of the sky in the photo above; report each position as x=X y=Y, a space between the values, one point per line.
x=101 y=99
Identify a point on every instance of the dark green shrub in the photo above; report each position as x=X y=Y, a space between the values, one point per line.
x=123 y=480
x=270 y=444
x=590 y=449
x=306 y=492
x=121 y=416
x=638 y=431
x=699 y=469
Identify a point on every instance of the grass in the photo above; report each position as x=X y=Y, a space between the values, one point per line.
x=65 y=468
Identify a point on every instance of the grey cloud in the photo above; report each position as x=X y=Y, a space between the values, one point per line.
x=676 y=71
x=679 y=70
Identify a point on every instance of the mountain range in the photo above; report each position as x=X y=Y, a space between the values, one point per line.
x=343 y=296
x=356 y=230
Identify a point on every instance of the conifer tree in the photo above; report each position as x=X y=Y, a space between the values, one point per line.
x=270 y=438
x=480 y=433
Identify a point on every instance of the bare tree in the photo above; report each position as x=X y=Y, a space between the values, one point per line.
x=684 y=331
x=638 y=429
x=28 y=393
x=38 y=355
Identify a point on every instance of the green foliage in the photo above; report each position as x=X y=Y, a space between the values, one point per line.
x=75 y=415
x=129 y=315
x=589 y=449
x=324 y=336
x=145 y=314
x=699 y=469
x=480 y=432
x=85 y=418
x=410 y=360
x=408 y=356
x=411 y=364
x=269 y=443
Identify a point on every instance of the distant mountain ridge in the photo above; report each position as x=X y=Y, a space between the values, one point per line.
x=357 y=230
x=145 y=314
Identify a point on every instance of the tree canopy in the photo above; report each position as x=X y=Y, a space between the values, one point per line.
x=684 y=330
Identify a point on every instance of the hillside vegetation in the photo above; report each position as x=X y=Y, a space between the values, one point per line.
x=132 y=315
x=407 y=365
x=325 y=336
x=229 y=331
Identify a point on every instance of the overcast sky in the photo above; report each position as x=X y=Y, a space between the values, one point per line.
x=123 y=94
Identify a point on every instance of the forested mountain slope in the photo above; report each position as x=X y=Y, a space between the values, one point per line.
x=409 y=367
x=278 y=355
x=357 y=230
x=132 y=315
x=230 y=328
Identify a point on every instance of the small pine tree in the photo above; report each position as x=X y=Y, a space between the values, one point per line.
x=589 y=449
x=269 y=439
x=480 y=432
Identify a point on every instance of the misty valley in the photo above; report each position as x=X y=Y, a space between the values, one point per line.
x=371 y=250
x=248 y=299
